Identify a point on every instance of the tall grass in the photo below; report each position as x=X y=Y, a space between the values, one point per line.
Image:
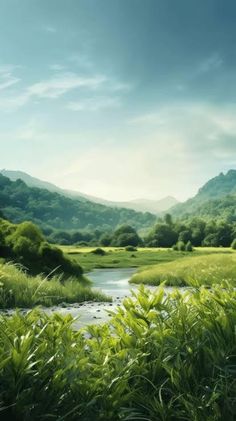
x=160 y=357
x=17 y=289
x=193 y=270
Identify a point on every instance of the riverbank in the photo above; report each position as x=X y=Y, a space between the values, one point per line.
x=190 y=271
x=18 y=289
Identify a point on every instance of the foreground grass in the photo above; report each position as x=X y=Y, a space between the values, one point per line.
x=17 y=289
x=166 y=358
x=191 y=270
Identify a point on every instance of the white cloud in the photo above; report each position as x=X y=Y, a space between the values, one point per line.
x=51 y=88
x=7 y=79
x=94 y=104
x=60 y=84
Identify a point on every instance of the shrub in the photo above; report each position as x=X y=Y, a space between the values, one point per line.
x=99 y=252
x=189 y=246
x=233 y=245
x=180 y=246
x=130 y=248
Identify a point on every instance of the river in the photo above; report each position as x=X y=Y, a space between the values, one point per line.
x=113 y=282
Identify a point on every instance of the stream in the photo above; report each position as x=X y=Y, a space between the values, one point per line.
x=112 y=282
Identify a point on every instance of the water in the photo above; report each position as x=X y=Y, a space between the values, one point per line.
x=112 y=282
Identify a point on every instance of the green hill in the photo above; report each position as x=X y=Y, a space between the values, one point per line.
x=19 y=202
x=139 y=205
x=216 y=199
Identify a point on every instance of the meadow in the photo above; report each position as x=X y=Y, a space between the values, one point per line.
x=161 y=357
x=117 y=257
x=191 y=270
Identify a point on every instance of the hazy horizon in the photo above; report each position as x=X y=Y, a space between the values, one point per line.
x=119 y=100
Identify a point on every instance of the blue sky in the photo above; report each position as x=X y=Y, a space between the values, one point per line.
x=119 y=98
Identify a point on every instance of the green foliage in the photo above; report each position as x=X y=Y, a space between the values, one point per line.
x=233 y=245
x=124 y=236
x=130 y=248
x=197 y=231
x=180 y=246
x=99 y=251
x=25 y=244
x=161 y=357
x=163 y=235
x=47 y=209
x=189 y=246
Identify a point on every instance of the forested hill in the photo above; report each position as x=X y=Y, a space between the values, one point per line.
x=217 y=198
x=18 y=203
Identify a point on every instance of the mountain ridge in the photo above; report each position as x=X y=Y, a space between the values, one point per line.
x=139 y=205
x=215 y=190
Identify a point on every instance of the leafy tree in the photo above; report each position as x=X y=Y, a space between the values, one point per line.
x=168 y=219
x=185 y=236
x=125 y=235
x=162 y=235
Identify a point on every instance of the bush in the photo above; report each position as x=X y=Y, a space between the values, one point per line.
x=99 y=252
x=189 y=246
x=25 y=244
x=130 y=248
x=180 y=246
x=233 y=245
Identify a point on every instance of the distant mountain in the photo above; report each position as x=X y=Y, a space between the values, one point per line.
x=140 y=205
x=154 y=206
x=19 y=202
x=215 y=198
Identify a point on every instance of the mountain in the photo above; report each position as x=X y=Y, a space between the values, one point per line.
x=154 y=206
x=216 y=198
x=19 y=202
x=140 y=205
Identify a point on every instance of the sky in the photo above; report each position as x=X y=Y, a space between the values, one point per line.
x=119 y=99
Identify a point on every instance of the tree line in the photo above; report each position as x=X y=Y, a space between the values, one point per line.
x=165 y=233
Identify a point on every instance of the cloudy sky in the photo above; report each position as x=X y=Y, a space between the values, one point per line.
x=120 y=99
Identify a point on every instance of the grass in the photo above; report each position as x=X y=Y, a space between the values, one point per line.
x=190 y=270
x=161 y=357
x=120 y=258
x=17 y=289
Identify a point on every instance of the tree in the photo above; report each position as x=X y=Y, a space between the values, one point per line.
x=168 y=219
x=185 y=236
x=233 y=245
x=162 y=235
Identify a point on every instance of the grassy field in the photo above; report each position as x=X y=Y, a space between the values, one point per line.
x=17 y=289
x=120 y=258
x=161 y=357
x=191 y=270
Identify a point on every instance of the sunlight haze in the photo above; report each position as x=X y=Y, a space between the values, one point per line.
x=118 y=99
